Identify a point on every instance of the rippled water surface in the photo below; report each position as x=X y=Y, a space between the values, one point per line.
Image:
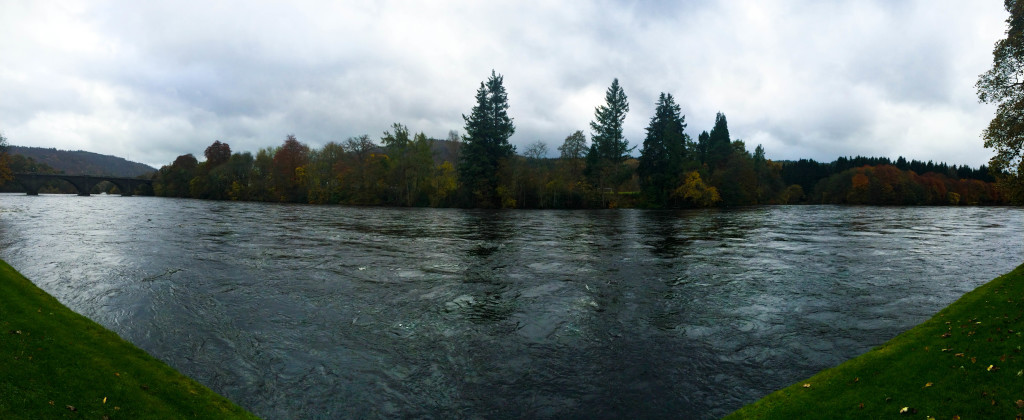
x=340 y=312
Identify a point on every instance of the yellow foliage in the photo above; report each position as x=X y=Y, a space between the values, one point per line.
x=696 y=192
x=954 y=198
x=507 y=199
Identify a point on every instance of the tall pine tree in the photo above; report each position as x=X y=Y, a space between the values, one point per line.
x=664 y=152
x=703 y=144
x=719 y=143
x=606 y=135
x=608 y=148
x=485 y=145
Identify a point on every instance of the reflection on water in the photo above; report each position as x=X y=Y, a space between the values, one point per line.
x=328 y=312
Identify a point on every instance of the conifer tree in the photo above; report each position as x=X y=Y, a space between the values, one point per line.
x=664 y=151
x=608 y=147
x=703 y=144
x=606 y=136
x=488 y=128
x=719 y=143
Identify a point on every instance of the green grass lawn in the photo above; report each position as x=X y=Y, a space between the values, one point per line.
x=55 y=363
x=965 y=362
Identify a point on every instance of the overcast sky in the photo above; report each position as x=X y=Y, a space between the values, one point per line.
x=807 y=79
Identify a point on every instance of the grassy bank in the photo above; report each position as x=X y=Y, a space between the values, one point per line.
x=965 y=362
x=55 y=363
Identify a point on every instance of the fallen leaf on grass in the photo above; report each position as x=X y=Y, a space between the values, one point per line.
x=959 y=355
x=1020 y=403
x=993 y=368
x=904 y=410
x=974 y=360
x=946 y=335
x=807 y=385
x=71 y=407
x=927 y=385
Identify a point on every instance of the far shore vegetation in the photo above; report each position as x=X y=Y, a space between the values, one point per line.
x=55 y=363
x=482 y=169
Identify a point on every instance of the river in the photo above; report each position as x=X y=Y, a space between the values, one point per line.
x=299 y=311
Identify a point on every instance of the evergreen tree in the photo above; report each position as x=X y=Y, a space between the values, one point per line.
x=719 y=143
x=607 y=140
x=1002 y=86
x=608 y=147
x=488 y=128
x=703 y=144
x=664 y=152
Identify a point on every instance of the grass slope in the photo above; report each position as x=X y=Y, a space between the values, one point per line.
x=55 y=363
x=965 y=362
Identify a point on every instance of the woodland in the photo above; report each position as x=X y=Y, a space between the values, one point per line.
x=482 y=169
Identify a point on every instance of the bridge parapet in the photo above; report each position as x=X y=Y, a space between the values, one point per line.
x=83 y=183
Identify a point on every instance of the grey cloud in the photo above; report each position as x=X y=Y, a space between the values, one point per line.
x=155 y=80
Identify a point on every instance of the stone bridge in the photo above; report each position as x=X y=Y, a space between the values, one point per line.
x=83 y=183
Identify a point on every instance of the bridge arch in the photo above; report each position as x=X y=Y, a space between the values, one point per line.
x=82 y=183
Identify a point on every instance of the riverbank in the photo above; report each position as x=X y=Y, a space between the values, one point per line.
x=56 y=363
x=965 y=362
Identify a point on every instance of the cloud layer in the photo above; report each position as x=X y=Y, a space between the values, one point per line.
x=150 y=81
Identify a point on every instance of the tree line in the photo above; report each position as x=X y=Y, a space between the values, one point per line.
x=482 y=169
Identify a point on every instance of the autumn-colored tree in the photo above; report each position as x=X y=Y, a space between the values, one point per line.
x=694 y=192
x=443 y=183
x=217 y=154
x=288 y=173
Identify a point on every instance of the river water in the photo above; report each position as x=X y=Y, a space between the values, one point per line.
x=339 y=312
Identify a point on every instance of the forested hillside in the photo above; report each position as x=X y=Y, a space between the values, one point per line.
x=82 y=163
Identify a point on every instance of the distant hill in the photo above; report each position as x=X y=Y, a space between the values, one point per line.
x=83 y=163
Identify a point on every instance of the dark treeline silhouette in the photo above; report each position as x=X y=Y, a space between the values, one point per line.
x=807 y=172
x=482 y=169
